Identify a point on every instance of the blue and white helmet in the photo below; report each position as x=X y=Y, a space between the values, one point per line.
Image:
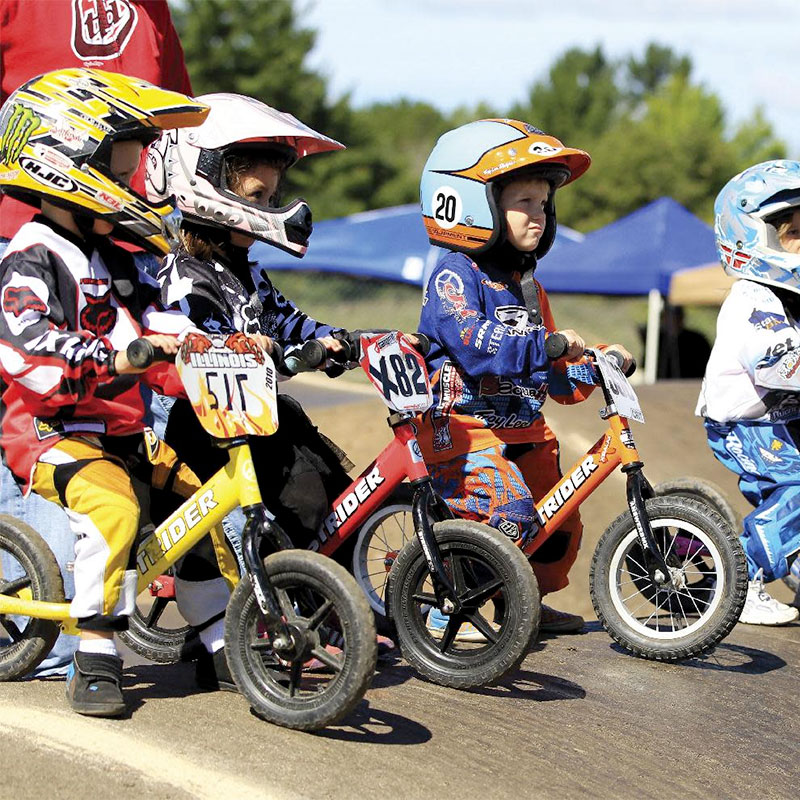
x=744 y=212
x=463 y=174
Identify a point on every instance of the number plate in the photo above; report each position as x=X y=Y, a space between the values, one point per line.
x=622 y=394
x=397 y=371
x=230 y=382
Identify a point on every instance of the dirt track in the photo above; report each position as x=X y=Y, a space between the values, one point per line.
x=580 y=719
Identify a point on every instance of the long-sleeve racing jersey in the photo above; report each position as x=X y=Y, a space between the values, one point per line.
x=68 y=304
x=488 y=367
x=235 y=297
x=753 y=372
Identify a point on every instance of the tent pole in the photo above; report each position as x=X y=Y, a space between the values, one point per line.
x=654 y=305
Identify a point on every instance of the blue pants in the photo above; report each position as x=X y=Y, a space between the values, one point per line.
x=766 y=458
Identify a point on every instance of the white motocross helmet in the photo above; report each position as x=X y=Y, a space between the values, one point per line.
x=189 y=163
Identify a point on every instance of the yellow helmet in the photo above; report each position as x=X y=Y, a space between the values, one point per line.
x=56 y=135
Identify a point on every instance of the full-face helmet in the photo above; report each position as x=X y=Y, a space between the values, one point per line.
x=745 y=213
x=191 y=164
x=465 y=172
x=56 y=136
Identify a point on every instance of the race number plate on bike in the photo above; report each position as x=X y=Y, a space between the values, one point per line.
x=397 y=371
x=230 y=382
x=622 y=394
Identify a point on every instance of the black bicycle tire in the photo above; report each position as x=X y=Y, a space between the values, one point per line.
x=722 y=620
x=353 y=611
x=706 y=492
x=465 y=670
x=41 y=567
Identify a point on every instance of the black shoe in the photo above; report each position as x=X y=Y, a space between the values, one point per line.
x=94 y=685
x=213 y=674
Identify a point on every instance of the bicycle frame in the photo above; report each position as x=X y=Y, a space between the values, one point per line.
x=614 y=448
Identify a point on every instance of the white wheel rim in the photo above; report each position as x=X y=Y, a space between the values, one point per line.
x=627 y=599
x=374 y=543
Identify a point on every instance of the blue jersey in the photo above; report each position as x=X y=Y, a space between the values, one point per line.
x=487 y=361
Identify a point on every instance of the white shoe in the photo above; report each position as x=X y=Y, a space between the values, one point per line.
x=761 y=609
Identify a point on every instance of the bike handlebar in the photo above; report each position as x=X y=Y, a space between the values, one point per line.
x=142 y=353
x=314 y=353
x=556 y=346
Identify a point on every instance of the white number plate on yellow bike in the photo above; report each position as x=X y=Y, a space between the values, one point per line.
x=230 y=382
x=397 y=371
x=622 y=394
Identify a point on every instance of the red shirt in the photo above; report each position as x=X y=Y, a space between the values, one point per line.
x=133 y=37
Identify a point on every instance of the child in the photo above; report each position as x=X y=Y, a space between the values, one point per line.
x=749 y=397
x=72 y=301
x=487 y=195
x=227 y=175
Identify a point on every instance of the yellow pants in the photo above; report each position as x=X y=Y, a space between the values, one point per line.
x=91 y=480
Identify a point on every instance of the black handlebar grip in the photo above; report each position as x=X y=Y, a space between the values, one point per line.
x=140 y=353
x=616 y=357
x=277 y=356
x=313 y=353
x=423 y=346
x=556 y=346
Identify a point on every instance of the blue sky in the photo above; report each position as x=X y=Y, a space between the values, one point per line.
x=456 y=52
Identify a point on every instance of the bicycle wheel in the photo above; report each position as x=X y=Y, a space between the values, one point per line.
x=705 y=491
x=28 y=569
x=380 y=539
x=701 y=603
x=324 y=607
x=156 y=632
x=500 y=597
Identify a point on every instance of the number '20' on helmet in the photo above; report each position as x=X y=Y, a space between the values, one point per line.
x=191 y=165
x=56 y=136
x=465 y=172
x=744 y=214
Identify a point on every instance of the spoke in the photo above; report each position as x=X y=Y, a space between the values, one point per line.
x=671 y=545
x=156 y=610
x=11 y=628
x=382 y=536
x=458 y=574
x=449 y=633
x=484 y=627
x=379 y=572
x=478 y=595
x=15 y=585
x=287 y=607
x=428 y=599
x=295 y=673
x=634 y=561
x=320 y=615
x=336 y=663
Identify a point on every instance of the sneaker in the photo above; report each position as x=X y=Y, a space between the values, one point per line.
x=437 y=624
x=553 y=621
x=761 y=609
x=212 y=674
x=94 y=685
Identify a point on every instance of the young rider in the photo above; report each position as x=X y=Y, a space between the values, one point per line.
x=749 y=397
x=72 y=301
x=487 y=196
x=227 y=176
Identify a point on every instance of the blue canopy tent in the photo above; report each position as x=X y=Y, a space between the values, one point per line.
x=636 y=255
x=386 y=244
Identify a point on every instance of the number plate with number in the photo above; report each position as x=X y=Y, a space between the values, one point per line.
x=619 y=387
x=230 y=383
x=397 y=371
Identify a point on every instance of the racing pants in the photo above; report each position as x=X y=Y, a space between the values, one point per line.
x=90 y=478
x=766 y=457
x=500 y=486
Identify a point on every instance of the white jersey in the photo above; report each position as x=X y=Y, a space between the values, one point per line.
x=753 y=372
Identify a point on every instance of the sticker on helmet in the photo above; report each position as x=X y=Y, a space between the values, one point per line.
x=22 y=123
x=447 y=207
x=543 y=149
x=47 y=175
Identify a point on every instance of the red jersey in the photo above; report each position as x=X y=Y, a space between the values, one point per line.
x=132 y=37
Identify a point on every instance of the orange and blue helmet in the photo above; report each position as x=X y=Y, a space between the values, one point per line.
x=468 y=167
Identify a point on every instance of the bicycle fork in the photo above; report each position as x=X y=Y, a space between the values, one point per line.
x=425 y=504
x=637 y=490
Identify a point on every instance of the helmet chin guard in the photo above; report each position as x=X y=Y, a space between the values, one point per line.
x=190 y=164
x=467 y=168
